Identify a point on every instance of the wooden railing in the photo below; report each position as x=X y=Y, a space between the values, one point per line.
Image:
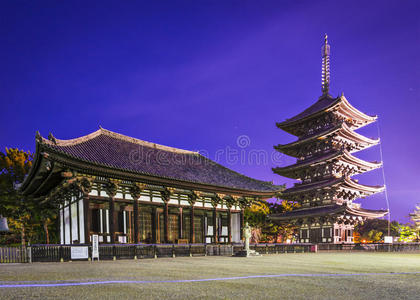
x=373 y=247
x=13 y=254
x=57 y=253
x=282 y=248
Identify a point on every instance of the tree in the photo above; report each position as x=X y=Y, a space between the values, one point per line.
x=14 y=165
x=374 y=230
x=264 y=228
x=25 y=216
x=407 y=234
x=415 y=218
x=45 y=216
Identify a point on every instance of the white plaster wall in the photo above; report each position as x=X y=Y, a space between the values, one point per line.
x=81 y=222
x=93 y=192
x=235 y=227
x=61 y=226
x=74 y=233
x=67 y=225
x=144 y=198
x=184 y=202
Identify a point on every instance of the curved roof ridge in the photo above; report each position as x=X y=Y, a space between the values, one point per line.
x=342 y=125
x=70 y=142
x=144 y=143
x=356 y=111
x=119 y=136
x=323 y=103
x=313 y=160
x=373 y=164
x=329 y=130
x=324 y=158
x=347 y=129
x=353 y=183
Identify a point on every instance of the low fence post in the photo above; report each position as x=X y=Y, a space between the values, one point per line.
x=60 y=252
x=29 y=255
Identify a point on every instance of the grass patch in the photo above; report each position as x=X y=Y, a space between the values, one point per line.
x=354 y=287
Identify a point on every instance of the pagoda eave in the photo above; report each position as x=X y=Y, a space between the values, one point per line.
x=341 y=183
x=343 y=157
x=341 y=132
x=326 y=104
x=328 y=210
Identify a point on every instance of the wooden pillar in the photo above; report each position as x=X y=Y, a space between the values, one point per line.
x=166 y=222
x=180 y=231
x=112 y=219
x=136 y=221
x=71 y=223
x=229 y=216
x=155 y=222
x=192 y=229
x=215 y=226
x=242 y=223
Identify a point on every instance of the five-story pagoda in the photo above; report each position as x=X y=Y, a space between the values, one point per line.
x=325 y=163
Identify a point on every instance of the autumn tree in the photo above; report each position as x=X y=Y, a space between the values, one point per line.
x=264 y=229
x=14 y=165
x=374 y=230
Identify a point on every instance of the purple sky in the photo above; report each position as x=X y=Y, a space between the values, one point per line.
x=199 y=74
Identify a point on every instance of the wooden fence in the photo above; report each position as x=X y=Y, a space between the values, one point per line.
x=54 y=253
x=13 y=254
x=377 y=247
x=57 y=253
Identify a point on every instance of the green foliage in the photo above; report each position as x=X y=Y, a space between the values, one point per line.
x=415 y=217
x=264 y=229
x=407 y=234
x=373 y=235
x=374 y=230
x=14 y=165
x=26 y=218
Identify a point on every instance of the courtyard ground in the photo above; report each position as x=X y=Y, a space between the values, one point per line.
x=283 y=276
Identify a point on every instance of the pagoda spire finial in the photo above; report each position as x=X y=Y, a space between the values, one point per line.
x=325 y=67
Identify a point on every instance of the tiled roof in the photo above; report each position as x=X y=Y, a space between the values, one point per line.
x=342 y=155
x=116 y=151
x=326 y=103
x=321 y=104
x=328 y=210
x=344 y=182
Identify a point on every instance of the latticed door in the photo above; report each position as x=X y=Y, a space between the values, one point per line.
x=315 y=235
x=145 y=226
x=198 y=229
x=173 y=228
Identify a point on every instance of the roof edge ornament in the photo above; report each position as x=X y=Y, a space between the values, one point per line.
x=38 y=136
x=325 y=74
x=52 y=138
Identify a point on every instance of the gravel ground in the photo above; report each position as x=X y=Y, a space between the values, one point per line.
x=397 y=286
